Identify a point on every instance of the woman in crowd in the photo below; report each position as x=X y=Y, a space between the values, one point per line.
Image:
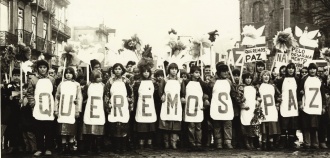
x=288 y=86
x=94 y=115
x=270 y=101
x=68 y=101
x=40 y=88
x=171 y=89
x=312 y=104
x=250 y=94
x=145 y=116
x=118 y=100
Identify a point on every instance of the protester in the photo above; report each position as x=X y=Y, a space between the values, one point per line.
x=221 y=110
x=40 y=88
x=118 y=103
x=94 y=114
x=68 y=101
x=171 y=90
x=145 y=116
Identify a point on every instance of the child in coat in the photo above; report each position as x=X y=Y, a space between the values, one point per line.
x=68 y=100
x=197 y=93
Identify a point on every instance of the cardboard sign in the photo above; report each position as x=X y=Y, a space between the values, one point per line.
x=236 y=57
x=253 y=57
x=281 y=58
x=301 y=55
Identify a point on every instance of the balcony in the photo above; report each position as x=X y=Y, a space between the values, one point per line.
x=49 y=8
x=39 y=5
x=43 y=45
x=7 y=38
x=62 y=29
x=23 y=36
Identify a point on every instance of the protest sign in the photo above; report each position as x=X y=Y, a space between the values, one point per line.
x=301 y=55
x=255 y=54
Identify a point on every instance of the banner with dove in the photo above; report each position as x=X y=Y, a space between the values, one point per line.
x=306 y=35
x=254 y=34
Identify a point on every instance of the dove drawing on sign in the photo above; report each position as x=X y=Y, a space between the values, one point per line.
x=306 y=38
x=253 y=36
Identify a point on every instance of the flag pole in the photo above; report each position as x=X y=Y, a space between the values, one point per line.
x=200 y=54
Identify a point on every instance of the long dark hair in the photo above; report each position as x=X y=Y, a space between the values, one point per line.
x=144 y=69
x=290 y=65
x=71 y=71
x=172 y=66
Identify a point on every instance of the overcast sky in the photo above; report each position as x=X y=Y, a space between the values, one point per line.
x=152 y=19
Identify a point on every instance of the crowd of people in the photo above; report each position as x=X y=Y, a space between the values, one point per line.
x=129 y=107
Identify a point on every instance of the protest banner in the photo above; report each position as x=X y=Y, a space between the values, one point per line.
x=301 y=56
x=256 y=54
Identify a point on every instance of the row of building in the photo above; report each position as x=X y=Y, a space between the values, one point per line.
x=43 y=25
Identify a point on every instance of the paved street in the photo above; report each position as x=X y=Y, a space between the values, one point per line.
x=185 y=153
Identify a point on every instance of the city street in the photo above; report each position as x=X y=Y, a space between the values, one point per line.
x=185 y=153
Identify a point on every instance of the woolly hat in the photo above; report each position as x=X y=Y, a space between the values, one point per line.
x=221 y=68
x=236 y=72
x=312 y=66
x=42 y=62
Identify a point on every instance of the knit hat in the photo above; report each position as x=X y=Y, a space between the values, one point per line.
x=42 y=62
x=236 y=72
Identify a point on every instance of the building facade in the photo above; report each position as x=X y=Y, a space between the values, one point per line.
x=277 y=15
x=40 y=24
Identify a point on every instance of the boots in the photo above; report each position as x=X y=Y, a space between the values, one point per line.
x=264 y=146
x=150 y=143
x=323 y=146
x=71 y=147
x=166 y=138
x=251 y=142
x=123 y=144
x=283 y=142
x=64 y=148
x=141 y=143
x=97 y=144
x=271 y=145
x=228 y=144
x=247 y=143
x=291 y=142
x=174 y=138
x=218 y=143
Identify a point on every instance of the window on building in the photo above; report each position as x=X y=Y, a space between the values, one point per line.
x=34 y=29
x=45 y=26
x=258 y=12
x=4 y=18
x=20 y=24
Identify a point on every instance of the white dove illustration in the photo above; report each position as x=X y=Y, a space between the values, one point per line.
x=253 y=36
x=306 y=38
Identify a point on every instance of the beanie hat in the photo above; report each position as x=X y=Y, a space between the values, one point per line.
x=42 y=62
x=236 y=72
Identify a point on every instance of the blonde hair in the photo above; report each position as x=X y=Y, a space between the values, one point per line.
x=265 y=72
